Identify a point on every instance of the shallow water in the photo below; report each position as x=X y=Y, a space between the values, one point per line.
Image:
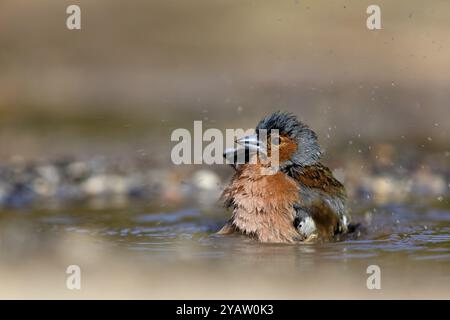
x=410 y=243
x=419 y=233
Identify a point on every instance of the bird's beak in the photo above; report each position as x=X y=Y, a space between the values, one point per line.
x=246 y=147
x=252 y=144
x=231 y=154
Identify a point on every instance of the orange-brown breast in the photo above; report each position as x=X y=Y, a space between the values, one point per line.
x=263 y=204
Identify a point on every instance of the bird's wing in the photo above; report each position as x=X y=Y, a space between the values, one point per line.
x=321 y=207
x=318 y=177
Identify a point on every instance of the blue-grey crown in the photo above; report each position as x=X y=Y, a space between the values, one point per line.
x=308 y=150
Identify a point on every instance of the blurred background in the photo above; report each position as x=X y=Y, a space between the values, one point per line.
x=138 y=70
x=86 y=118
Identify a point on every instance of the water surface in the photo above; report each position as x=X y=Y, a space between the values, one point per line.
x=410 y=243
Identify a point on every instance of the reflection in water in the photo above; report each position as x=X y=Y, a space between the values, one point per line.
x=406 y=242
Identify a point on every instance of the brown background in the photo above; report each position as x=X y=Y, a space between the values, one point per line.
x=139 y=69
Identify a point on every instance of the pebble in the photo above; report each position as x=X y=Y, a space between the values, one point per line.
x=103 y=184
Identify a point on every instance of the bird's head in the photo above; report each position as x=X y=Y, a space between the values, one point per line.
x=295 y=142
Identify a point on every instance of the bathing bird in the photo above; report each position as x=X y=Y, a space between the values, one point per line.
x=298 y=201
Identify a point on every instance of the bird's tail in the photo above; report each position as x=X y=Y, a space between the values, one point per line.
x=353 y=227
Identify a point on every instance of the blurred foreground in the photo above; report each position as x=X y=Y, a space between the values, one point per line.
x=173 y=255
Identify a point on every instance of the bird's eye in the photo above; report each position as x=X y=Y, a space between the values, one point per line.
x=275 y=141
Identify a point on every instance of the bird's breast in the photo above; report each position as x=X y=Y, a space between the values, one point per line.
x=263 y=205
